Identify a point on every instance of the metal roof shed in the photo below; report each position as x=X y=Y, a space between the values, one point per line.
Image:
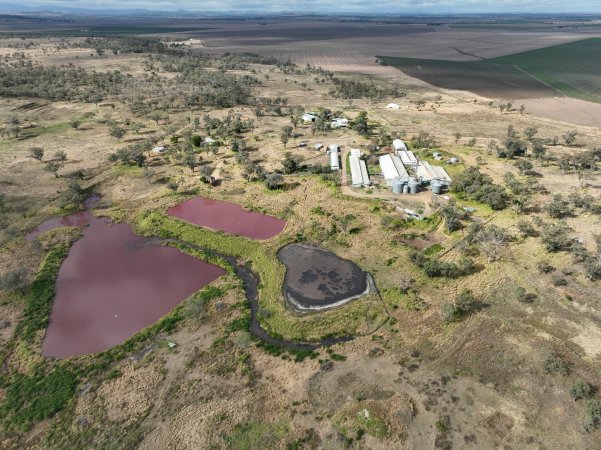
x=334 y=161
x=399 y=145
x=392 y=168
x=407 y=157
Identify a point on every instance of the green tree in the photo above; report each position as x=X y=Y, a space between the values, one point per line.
x=53 y=167
x=530 y=132
x=36 y=153
x=569 y=137
x=274 y=181
x=117 y=132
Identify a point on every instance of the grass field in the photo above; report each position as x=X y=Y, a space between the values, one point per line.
x=573 y=69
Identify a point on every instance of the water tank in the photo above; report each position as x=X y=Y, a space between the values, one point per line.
x=397 y=186
x=413 y=185
x=436 y=187
x=405 y=189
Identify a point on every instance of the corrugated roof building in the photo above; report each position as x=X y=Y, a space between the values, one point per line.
x=427 y=173
x=393 y=168
x=359 y=175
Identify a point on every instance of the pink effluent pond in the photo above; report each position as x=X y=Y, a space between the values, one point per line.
x=113 y=284
x=228 y=217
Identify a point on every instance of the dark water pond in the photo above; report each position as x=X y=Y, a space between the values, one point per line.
x=317 y=279
x=113 y=284
x=228 y=217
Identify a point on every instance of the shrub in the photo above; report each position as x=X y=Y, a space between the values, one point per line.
x=555 y=237
x=472 y=184
x=448 y=312
x=593 y=410
x=581 y=389
x=555 y=365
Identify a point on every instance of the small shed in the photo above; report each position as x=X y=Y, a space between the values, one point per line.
x=407 y=156
x=318 y=146
x=209 y=140
x=333 y=148
x=339 y=122
x=334 y=161
x=309 y=117
x=159 y=150
x=393 y=106
x=399 y=145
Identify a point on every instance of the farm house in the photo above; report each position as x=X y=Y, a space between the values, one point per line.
x=359 y=175
x=428 y=173
x=399 y=145
x=393 y=168
x=309 y=117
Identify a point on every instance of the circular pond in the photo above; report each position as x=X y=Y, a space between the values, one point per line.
x=317 y=279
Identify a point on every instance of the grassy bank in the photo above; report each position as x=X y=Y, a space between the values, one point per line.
x=356 y=317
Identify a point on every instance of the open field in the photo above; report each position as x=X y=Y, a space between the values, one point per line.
x=501 y=370
x=571 y=69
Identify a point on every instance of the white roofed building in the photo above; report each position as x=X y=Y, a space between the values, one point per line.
x=428 y=173
x=308 y=117
x=407 y=156
x=393 y=168
x=359 y=175
x=393 y=106
x=399 y=145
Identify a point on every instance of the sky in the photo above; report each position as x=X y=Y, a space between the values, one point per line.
x=324 y=6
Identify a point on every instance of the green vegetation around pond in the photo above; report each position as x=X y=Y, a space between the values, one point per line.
x=358 y=317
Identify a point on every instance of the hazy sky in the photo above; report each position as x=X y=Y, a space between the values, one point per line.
x=324 y=6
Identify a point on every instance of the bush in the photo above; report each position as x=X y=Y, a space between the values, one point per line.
x=448 y=312
x=554 y=365
x=555 y=237
x=581 y=389
x=32 y=398
x=593 y=411
x=465 y=301
x=472 y=184
x=435 y=268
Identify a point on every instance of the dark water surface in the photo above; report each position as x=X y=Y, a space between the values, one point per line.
x=228 y=217
x=113 y=284
x=317 y=279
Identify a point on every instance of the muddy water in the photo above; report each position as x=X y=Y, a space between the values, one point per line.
x=113 y=284
x=228 y=217
x=317 y=279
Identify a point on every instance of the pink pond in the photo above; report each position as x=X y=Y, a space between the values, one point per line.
x=113 y=284
x=228 y=217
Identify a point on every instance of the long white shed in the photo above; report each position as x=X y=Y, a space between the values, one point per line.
x=393 y=168
x=359 y=175
x=334 y=161
x=399 y=145
x=427 y=172
x=407 y=156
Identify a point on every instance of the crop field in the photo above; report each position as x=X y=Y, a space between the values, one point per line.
x=573 y=69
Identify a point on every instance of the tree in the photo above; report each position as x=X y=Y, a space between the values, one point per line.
x=423 y=140
x=189 y=160
x=53 y=167
x=464 y=302
x=117 y=132
x=156 y=116
x=522 y=109
x=538 y=148
x=558 y=207
x=361 y=125
x=511 y=131
x=36 y=153
x=451 y=216
x=75 y=124
x=196 y=140
x=290 y=163
x=457 y=136
x=205 y=173
x=502 y=107
x=569 y=137
x=513 y=147
x=523 y=165
x=448 y=312
x=60 y=156
x=555 y=237
x=530 y=132
x=284 y=138
x=274 y=181
x=15 y=280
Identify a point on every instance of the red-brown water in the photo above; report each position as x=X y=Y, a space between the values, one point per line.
x=113 y=284
x=228 y=217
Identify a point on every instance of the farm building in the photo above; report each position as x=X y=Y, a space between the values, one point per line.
x=407 y=156
x=393 y=168
x=339 y=122
x=359 y=175
x=309 y=117
x=399 y=145
x=318 y=146
x=333 y=148
x=334 y=161
x=393 y=106
x=158 y=150
x=428 y=173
